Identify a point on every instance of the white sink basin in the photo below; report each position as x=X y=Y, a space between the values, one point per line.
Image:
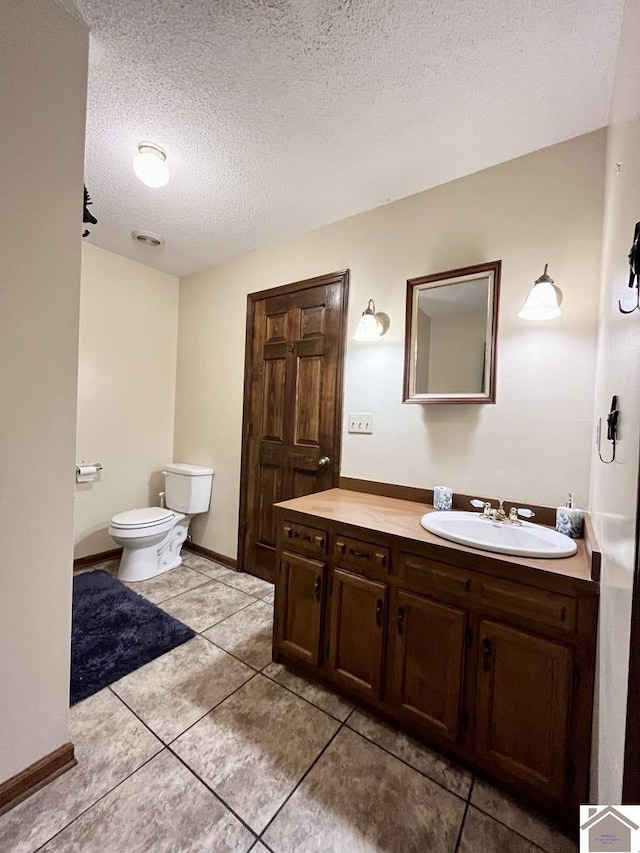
x=468 y=528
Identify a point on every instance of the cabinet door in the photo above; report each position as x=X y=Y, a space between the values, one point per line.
x=299 y=590
x=356 y=641
x=523 y=705
x=428 y=663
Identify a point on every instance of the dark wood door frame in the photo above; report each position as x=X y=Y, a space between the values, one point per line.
x=631 y=776
x=339 y=277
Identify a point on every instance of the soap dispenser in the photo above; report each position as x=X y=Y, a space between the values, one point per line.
x=569 y=519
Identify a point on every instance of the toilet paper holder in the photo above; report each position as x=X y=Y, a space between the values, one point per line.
x=87 y=471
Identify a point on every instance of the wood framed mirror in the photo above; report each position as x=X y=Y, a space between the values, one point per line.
x=451 y=336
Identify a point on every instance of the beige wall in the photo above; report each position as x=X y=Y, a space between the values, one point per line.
x=534 y=445
x=43 y=68
x=614 y=487
x=126 y=389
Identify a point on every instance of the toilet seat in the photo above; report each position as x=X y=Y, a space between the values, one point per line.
x=142 y=519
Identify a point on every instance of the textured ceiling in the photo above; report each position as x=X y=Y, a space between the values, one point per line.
x=279 y=116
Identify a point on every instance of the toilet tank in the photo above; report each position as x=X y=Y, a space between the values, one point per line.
x=187 y=487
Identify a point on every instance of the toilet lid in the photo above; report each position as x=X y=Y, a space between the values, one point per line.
x=147 y=517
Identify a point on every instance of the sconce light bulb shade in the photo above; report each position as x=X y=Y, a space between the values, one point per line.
x=150 y=165
x=372 y=326
x=543 y=301
x=367 y=329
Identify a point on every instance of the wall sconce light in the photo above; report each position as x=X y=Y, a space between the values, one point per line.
x=543 y=301
x=150 y=165
x=372 y=326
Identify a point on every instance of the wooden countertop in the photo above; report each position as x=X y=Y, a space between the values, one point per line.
x=401 y=518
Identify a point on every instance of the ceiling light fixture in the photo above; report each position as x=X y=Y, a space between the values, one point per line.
x=150 y=165
x=372 y=326
x=147 y=238
x=543 y=301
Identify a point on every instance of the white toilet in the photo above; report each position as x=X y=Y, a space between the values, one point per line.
x=152 y=537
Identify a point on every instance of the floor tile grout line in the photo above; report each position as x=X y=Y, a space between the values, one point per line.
x=308 y=701
x=301 y=780
x=215 y=794
x=102 y=796
x=461 y=830
x=407 y=764
x=217 y=705
x=174 y=739
x=227 y=652
x=201 y=572
x=199 y=586
x=213 y=625
x=511 y=829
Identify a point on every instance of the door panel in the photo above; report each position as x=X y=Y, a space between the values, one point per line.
x=523 y=705
x=313 y=321
x=299 y=595
x=270 y=488
x=429 y=662
x=308 y=399
x=273 y=400
x=356 y=641
x=292 y=406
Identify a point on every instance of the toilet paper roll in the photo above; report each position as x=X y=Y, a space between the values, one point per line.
x=86 y=473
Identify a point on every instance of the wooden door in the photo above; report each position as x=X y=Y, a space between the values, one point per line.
x=356 y=635
x=523 y=706
x=298 y=606
x=428 y=663
x=292 y=406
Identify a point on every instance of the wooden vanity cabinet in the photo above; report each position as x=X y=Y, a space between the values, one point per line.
x=357 y=619
x=496 y=670
x=427 y=661
x=299 y=608
x=523 y=706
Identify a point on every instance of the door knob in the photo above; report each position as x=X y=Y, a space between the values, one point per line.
x=323 y=463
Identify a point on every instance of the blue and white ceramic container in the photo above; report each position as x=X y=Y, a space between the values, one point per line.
x=570 y=521
x=442 y=498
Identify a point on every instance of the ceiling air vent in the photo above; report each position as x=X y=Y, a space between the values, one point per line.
x=147 y=238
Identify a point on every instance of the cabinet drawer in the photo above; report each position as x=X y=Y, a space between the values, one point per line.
x=361 y=556
x=549 y=608
x=433 y=576
x=299 y=537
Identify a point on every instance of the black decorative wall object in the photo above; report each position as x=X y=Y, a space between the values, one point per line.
x=86 y=216
x=634 y=271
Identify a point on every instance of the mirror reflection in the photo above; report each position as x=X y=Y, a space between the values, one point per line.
x=451 y=336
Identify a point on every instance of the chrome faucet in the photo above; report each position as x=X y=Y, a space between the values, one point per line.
x=499 y=515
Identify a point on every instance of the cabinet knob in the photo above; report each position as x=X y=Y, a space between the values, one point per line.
x=400 y=620
x=379 y=606
x=317 y=586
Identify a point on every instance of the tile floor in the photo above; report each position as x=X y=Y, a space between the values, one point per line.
x=212 y=747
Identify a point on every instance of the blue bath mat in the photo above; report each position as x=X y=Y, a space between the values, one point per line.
x=115 y=631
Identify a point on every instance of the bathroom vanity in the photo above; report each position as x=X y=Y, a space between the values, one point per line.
x=485 y=656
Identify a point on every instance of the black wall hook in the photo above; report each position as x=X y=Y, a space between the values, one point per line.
x=634 y=271
x=612 y=430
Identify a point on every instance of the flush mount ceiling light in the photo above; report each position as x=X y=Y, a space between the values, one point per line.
x=372 y=326
x=146 y=238
x=150 y=165
x=543 y=301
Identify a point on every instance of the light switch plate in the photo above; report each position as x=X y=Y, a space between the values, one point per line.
x=361 y=422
